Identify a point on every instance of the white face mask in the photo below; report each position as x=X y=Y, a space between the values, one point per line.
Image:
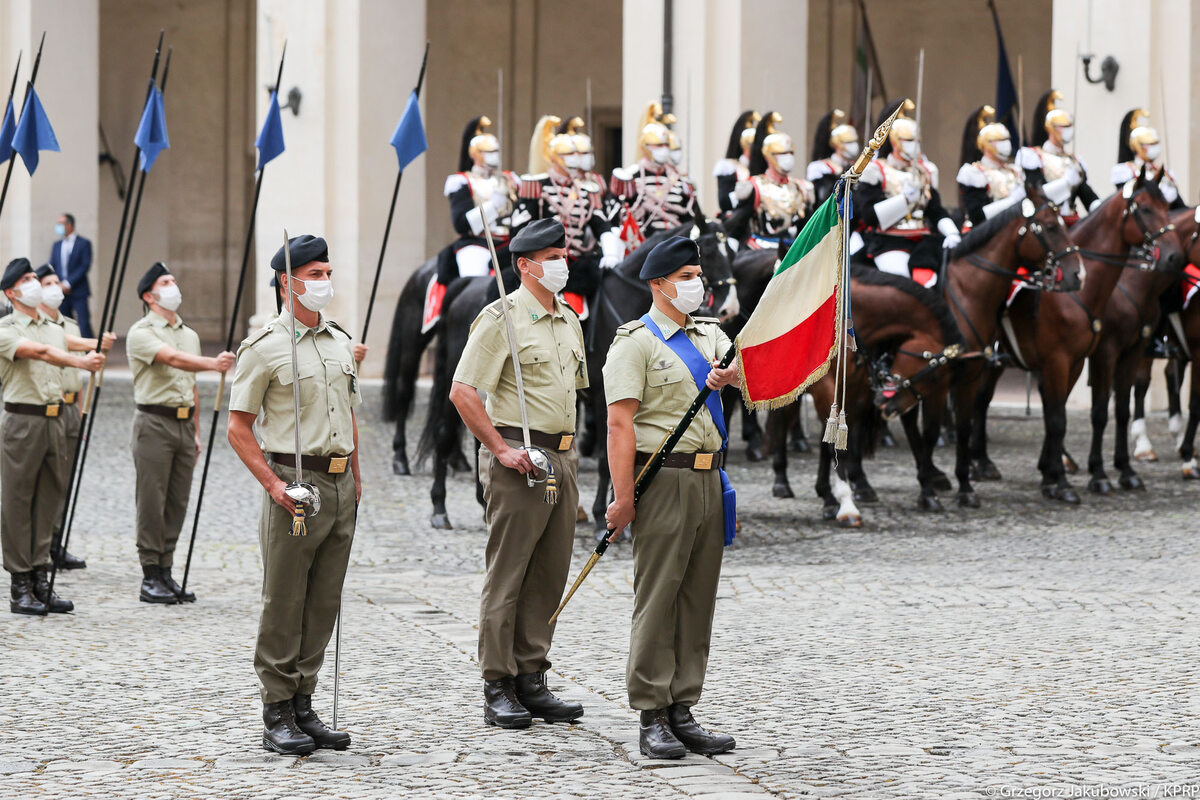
x=1004 y=148
x=492 y=159
x=677 y=157
x=587 y=161
x=661 y=154
x=30 y=292
x=554 y=274
x=169 y=297
x=1067 y=133
x=785 y=162
x=317 y=294
x=909 y=148
x=572 y=161
x=52 y=296
x=850 y=150
x=689 y=295
x=1153 y=151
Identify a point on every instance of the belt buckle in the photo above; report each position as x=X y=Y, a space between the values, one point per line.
x=52 y=411
x=565 y=441
x=337 y=464
x=68 y=397
x=703 y=461
x=183 y=412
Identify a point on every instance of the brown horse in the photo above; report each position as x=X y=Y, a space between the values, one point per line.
x=1056 y=331
x=1130 y=318
x=979 y=278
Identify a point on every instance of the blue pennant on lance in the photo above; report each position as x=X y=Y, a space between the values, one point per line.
x=151 y=136
x=409 y=136
x=33 y=133
x=7 y=128
x=270 y=138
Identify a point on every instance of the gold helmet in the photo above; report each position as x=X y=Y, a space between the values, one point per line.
x=777 y=143
x=840 y=131
x=653 y=132
x=483 y=141
x=990 y=133
x=574 y=128
x=1142 y=136
x=904 y=129
x=1056 y=116
x=540 y=143
x=746 y=139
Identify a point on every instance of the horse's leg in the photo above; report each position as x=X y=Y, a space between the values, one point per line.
x=1122 y=384
x=1190 y=469
x=1173 y=373
x=933 y=413
x=1100 y=376
x=982 y=468
x=799 y=440
x=829 y=504
x=1143 y=449
x=779 y=422
x=848 y=515
x=864 y=492
x=964 y=399
x=447 y=441
x=410 y=366
x=752 y=435
x=587 y=440
x=1055 y=385
x=927 y=500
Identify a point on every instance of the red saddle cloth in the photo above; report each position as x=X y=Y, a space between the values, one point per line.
x=577 y=302
x=1190 y=283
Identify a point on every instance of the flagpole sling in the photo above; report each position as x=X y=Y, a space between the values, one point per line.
x=233 y=325
x=108 y=318
x=28 y=88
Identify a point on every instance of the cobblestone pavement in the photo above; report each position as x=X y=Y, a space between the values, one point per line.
x=1024 y=646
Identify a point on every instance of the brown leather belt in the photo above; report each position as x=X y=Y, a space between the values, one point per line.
x=334 y=465
x=69 y=398
x=549 y=441
x=33 y=410
x=700 y=461
x=170 y=412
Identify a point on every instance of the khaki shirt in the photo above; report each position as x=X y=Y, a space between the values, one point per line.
x=29 y=380
x=262 y=383
x=157 y=384
x=641 y=367
x=553 y=367
x=71 y=381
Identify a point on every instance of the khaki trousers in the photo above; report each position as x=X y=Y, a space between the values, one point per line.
x=33 y=486
x=72 y=418
x=164 y=456
x=302 y=585
x=678 y=543
x=528 y=559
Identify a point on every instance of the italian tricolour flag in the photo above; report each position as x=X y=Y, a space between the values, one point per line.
x=791 y=337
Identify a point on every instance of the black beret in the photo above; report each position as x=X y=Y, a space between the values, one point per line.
x=538 y=235
x=44 y=271
x=305 y=249
x=13 y=273
x=154 y=273
x=668 y=256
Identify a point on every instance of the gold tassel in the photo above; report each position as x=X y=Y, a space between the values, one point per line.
x=298 y=527
x=551 y=496
x=831 y=425
x=843 y=432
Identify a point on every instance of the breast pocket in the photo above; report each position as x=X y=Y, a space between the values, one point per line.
x=578 y=363
x=666 y=380
x=535 y=366
x=310 y=389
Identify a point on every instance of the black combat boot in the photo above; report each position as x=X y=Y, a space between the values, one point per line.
x=501 y=706
x=308 y=721
x=695 y=738
x=41 y=590
x=153 y=589
x=282 y=734
x=536 y=697
x=184 y=597
x=23 y=600
x=656 y=739
x=64 y=560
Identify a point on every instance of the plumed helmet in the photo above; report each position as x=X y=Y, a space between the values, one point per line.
x=539 y=143
x=1047 y=115
x=1140 y=134
x=905 y=127
x=476 y=140
x=742 y=135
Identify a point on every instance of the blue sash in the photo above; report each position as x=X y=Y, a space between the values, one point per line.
x=700 y=366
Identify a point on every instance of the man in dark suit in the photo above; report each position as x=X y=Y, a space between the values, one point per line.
x=71 y=257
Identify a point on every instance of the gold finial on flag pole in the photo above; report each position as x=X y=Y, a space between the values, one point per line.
x=876 y=142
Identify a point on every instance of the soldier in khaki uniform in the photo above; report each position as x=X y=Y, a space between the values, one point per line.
x=529 y=540
x=302 y=575
x=164 y=355
x=681 y=526
x=52 y=298
x=33 y=439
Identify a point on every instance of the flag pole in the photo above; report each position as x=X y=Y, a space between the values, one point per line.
x=920 y=83
x=387 y=229
x=233 y=325
x=108 y=320
x=37 y=62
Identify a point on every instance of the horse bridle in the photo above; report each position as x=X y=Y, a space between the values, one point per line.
x=1144 y=255
x=883 y=380
x=1049 y=268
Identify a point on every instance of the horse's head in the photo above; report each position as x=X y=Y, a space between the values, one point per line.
x=1187 y=230
x=919 y=366
x=1042 y=239
x=1146 y=223
x=721 y=300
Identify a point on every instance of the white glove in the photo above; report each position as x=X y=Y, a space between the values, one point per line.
x=1095 y=204
x=1058 y=191
x=475 y=220
x=911 y=191
x=1169 y=192
x=949 y=232
x=950 y=242
x=500 y=202
x=612 y=250
x=992 y=209
x=743 y=190
x=891 y=211
x=1073 y=177
x=519 y=217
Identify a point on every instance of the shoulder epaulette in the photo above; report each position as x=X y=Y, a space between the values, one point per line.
x=494 y=309
x=338 y=328
x=630 y=327
x=257 y=335
x=706 y=320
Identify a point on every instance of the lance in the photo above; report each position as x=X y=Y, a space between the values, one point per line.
x=387 y=229
x=37 y=62
x=233 y=325
x=108 y=318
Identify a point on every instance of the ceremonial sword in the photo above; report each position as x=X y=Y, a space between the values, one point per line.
x=302 y=493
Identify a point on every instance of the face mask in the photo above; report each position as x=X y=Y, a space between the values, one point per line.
x=1153 y=151
x=587 y=161
x=572 y=161
x=317 y=294
x=1004 y=148
x=909 y=148
x=60 y=229
x=785 y=162
x=661 y=154
x=1068 y=133
x=677 y=157
x=52 y=296
x=170 y=298
x=554 y=274
x=850 y=150
x=492 y=159
x=31 y=293
x=689 y=295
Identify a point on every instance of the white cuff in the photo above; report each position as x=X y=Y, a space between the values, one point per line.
x=992 y=209
x=1169 y=192
x=1057 y=192
x=1095 y=204
x=611 y=245
x=891 y=211
x=474 y=220
x=946 y=227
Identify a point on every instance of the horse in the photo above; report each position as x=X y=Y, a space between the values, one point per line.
x=1056 y=331
x=979 y=278
x=406 y=344
x=623 y=297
